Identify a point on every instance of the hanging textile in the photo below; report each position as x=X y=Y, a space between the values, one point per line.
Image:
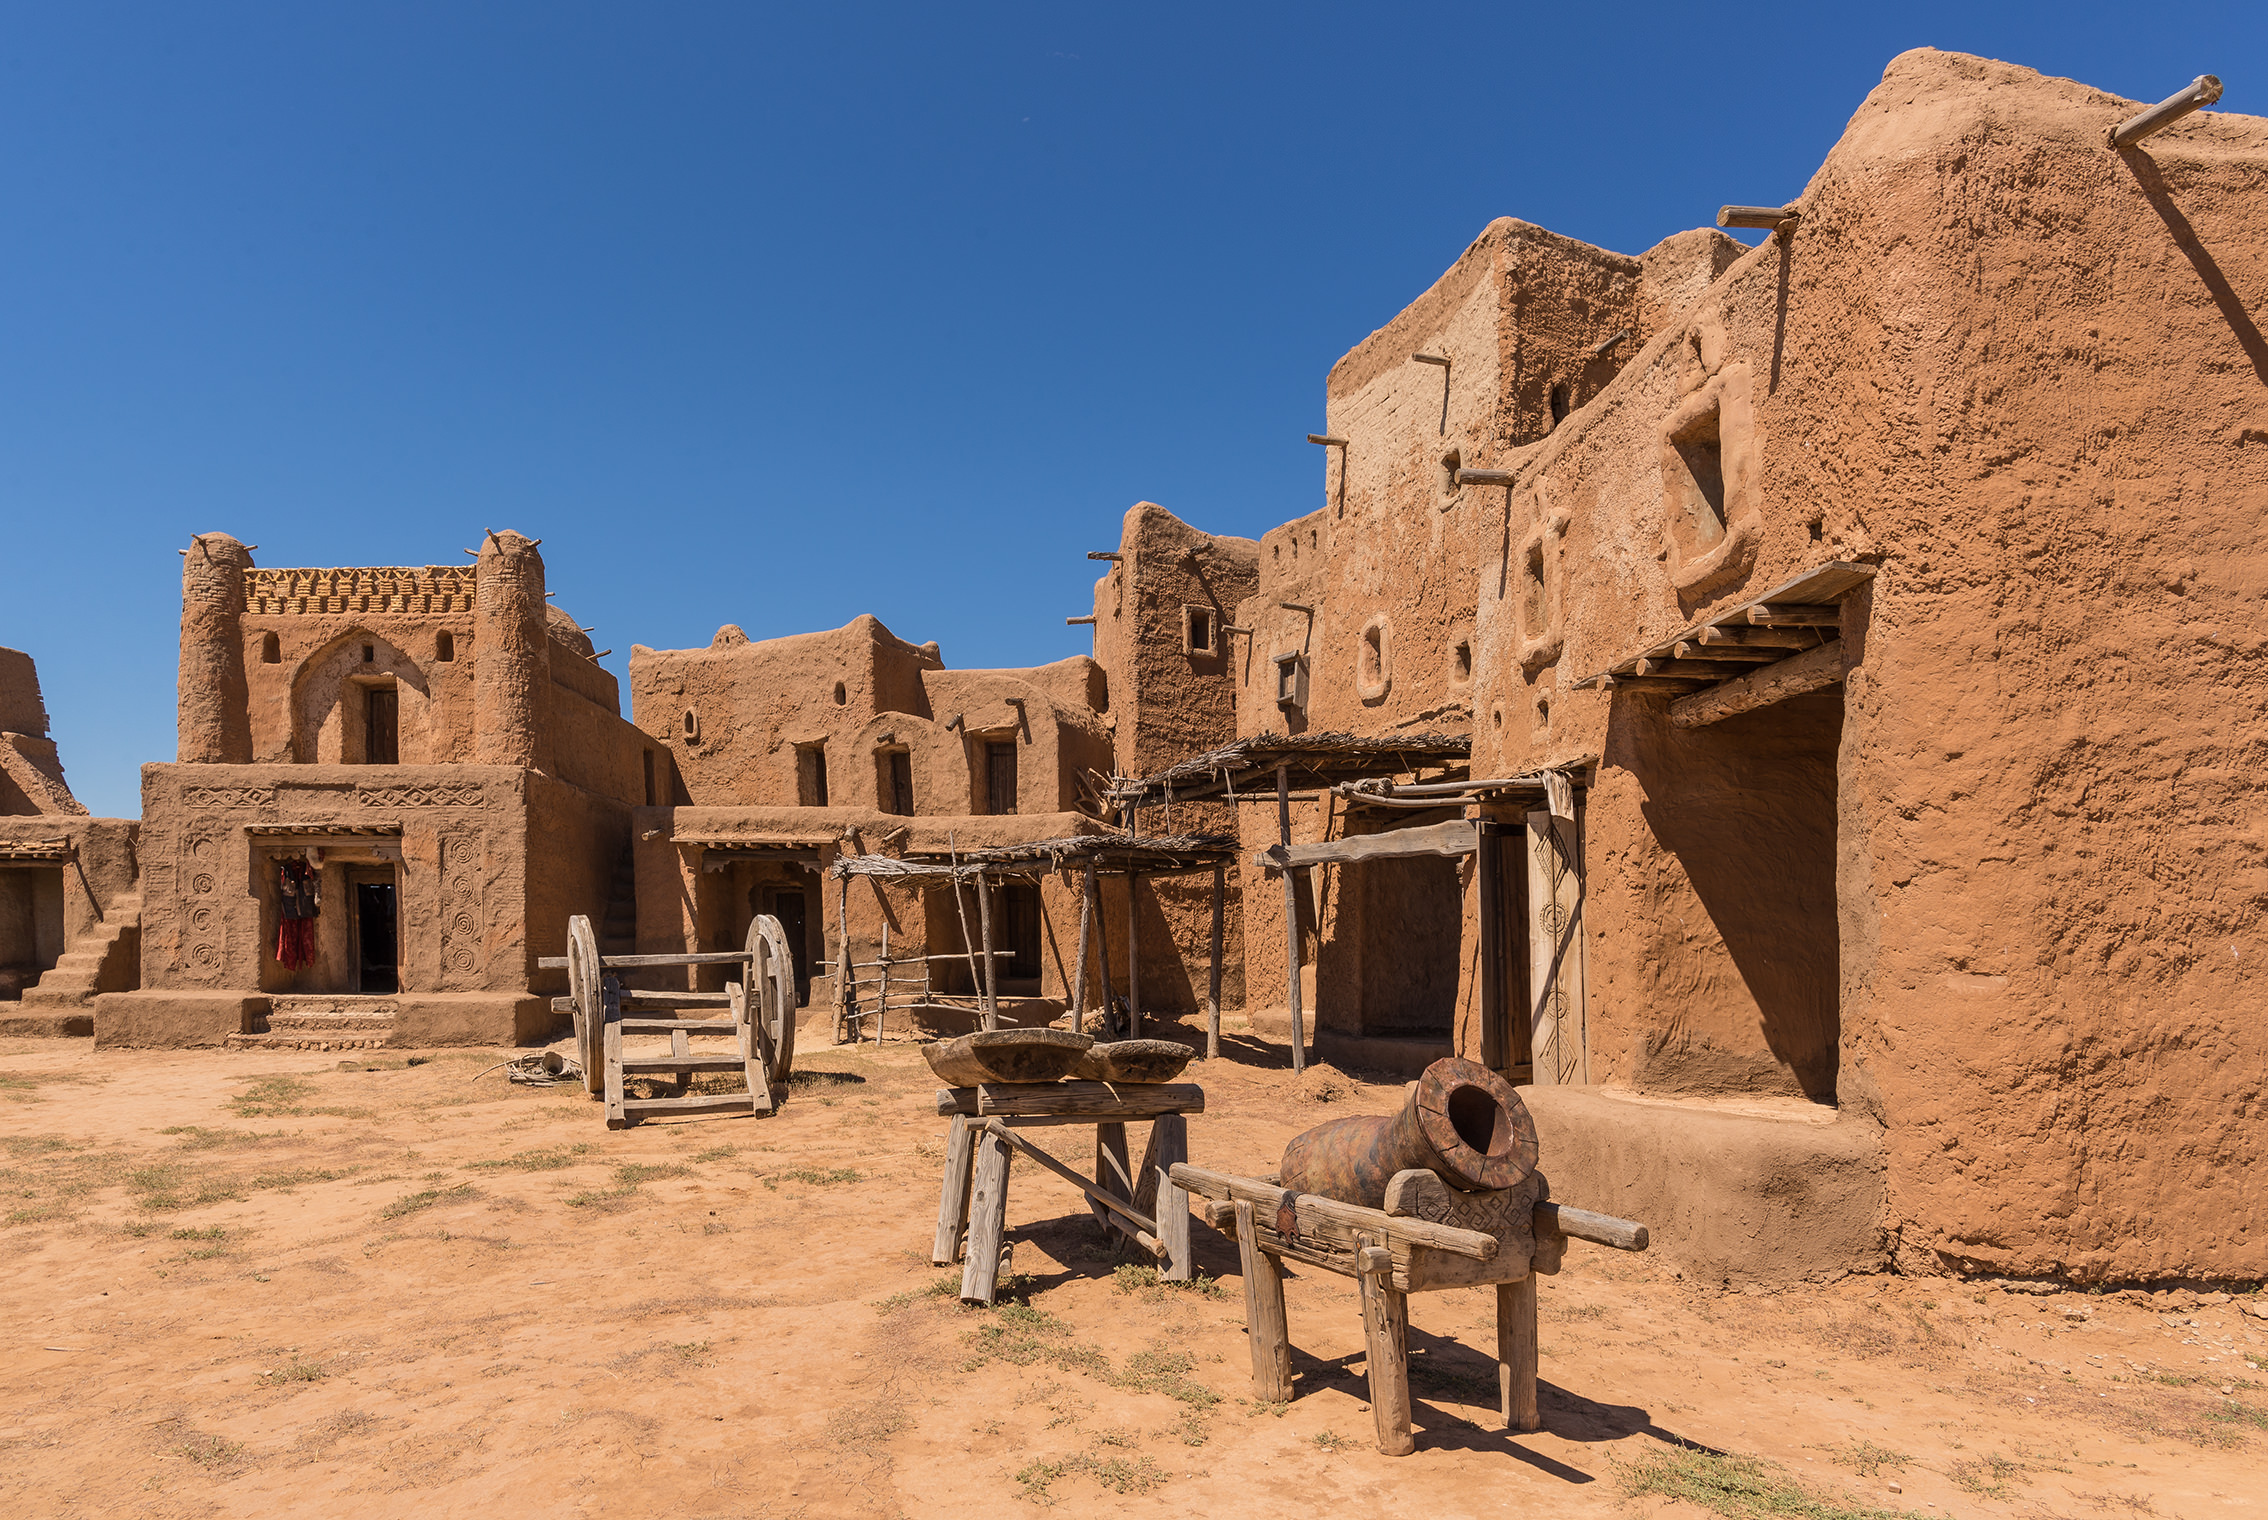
x=299 y=902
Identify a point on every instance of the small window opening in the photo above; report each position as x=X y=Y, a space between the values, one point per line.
x=1291 y=680
x=1370 y=658
x=1559 y=403
x=369 y=654
x=1496 y=717
x=1197 y=630
x=1818 y=530
x=381 y=733
x=1543 y=711
x=896 y=766
x=444 y=646
x=842 y=694
x=271 y=649
x=648 y=756
x=1701 y=494
x=1000 y=777
x=1451 y=463
x=1461 y=662
x=811 y=775
x=692 y=727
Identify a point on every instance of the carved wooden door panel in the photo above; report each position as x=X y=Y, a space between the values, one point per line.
x=1555 y=950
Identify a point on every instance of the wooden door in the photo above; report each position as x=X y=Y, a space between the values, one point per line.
x=1555 y=950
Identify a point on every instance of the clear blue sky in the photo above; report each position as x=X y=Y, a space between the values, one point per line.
x=779 y=316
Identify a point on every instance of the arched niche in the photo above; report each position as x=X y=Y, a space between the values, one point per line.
x=330 y=697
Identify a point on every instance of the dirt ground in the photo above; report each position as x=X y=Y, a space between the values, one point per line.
x=252 y=1283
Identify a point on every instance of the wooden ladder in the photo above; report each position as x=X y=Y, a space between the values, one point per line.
x=757 y=1015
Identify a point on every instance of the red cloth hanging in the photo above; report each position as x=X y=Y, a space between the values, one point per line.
x=295 y=943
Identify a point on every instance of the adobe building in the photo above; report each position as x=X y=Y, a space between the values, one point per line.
x=434 y=751
x=792 y=754
x=1857 y=641
x=70 y=912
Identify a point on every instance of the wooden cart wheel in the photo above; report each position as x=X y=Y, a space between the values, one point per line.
x=772 y=989
x=583 y=976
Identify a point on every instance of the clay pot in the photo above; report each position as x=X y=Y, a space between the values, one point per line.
x=1462 y=1122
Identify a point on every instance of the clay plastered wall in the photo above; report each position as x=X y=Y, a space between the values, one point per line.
x=1169 y=701
x=2007 y=365
x=464 y=842
x=21 y=710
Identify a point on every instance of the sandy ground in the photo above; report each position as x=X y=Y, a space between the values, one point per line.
x=239 y=1283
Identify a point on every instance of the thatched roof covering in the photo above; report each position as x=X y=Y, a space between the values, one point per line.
x=1113 y=854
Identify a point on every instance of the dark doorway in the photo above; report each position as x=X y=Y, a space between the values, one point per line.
x=791 y=909
x=377 y=940
x=1000 y=777
x=897 y=782
x=382 y=729
x=1020 y=922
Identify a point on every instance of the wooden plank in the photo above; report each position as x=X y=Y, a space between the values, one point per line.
x=1332 y=1220
x=1792 y=677
x=1581 y=1224
x=953 y=1196
x=984 y=918
x=1650 y=685
x=673 y=1062
x=1169 y=1146
x=1454 y=838
x=1689 y=670
x=988 y=1220
x=1088 y=1100
x=1742 y=655
x=1825 y=584
x=1516 y=1355
x=1133 y=955
x=670 y=1026
x=1786 y=615
x=698 y=1103
x=748 y=1034
x=1265 y=1324
x=610 y=1051
x=1112 y=1169
x=1719 y=637
x=647 y=999
x=1385 y=1335
x=1086 y=936
x=633 y=962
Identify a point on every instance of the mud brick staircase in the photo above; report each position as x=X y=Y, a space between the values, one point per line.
x=331 y=1021
x=61 y=1002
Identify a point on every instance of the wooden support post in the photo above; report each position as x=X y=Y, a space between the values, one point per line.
x=1385 y=1334
x=1213 y=992
x=1086 y=935
x=991 y=982
x=1264 y=1322
x=1516 y=1354
x=1169 y=1145
x=843 y=972
x=1102 y=949
x=610 y=1014
x=988 y=1220
x=882 y=992
x=1291 y=923
x=1495 y=1007
x=1112 y=1169
x=953 y=1198
x=1133 y=956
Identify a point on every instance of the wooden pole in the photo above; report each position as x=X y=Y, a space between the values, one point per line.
x=1112 y=1169
x=1086 y=934
x=1102 y=945
x=988 y=1220
x=1291 y=923
x=842 y=962
x=953 y=1198
x=882 y=993
x=1169 y=1144
x=1264 y=1322
x=1516 y=1354
x=1385 y=1333
x=1213 y=993
x=1133 y=956
x=1494 y=1006
x=984 y=920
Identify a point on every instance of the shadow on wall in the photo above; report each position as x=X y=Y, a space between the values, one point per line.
x=1746 y=808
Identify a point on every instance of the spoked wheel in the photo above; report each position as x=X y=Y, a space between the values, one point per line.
x=583 y=987
x=771 y=994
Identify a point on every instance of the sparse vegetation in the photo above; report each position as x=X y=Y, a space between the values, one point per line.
x=297 y=1370
x=430 y=1198
x=551 y=1159
x=1985 y=1476
x=1866 y=1458
x=1737 y=1487
x=1120 y=1475
x=831 y=1177
x=1331 y=1440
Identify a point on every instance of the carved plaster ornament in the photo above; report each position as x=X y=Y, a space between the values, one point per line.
x=1711 y=505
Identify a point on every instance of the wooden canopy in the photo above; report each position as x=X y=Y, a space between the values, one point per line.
x=1309 y=760
x=1749 y=655
x=1111 y=855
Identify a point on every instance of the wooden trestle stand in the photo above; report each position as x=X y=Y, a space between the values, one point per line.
x=1144 y=1204
x=1428 y=1236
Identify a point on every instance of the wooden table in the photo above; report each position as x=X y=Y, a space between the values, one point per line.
x=1429 y=1236
x=1142 y=1203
